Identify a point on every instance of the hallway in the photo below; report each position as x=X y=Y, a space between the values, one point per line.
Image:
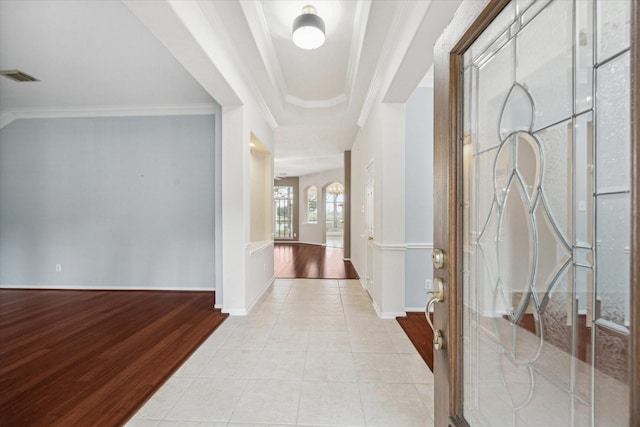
x=299 y=260
x=311 y=352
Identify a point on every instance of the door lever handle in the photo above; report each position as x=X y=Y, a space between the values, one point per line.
x=437 y=295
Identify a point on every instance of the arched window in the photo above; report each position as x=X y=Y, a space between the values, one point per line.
x=311 y=204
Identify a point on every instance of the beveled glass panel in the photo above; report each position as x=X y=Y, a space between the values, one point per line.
x=584 y=295
x=557 y=144
x=495 y=78
x=515 y=244
x=555 y=320
x=613 y=257
x=466 y=132
x=611 y=389
x=529 y=164
x=538 y=271
x=492 y=405
x=483 y=187
x=583 y=179
x=584 y=257
x=582 y=413
x=517 y=112
x=489 y=297
x=553 y=255
x=489 y=36
x=614 y=22
x=503 y=170
x=550 y=405
x=613 y=130
x=532 y=10
x=523 y=5
x=584 y=56
x=545 y=64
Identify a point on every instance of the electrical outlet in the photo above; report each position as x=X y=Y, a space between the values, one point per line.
x=428 y=285
x=58 y=268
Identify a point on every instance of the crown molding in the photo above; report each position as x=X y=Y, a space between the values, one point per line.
x=361 y=19
x=9 y=115
x=254 y=14
x=406 y=21
x=383 y=60
x=214 y=38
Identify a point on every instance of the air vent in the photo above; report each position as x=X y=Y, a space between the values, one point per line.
x=18 y=76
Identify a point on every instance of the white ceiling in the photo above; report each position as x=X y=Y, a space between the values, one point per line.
x=87 y=54
x=92 y=53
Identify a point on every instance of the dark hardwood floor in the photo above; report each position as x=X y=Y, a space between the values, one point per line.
x=417 y=329
x=298 y=260
x=92 y=358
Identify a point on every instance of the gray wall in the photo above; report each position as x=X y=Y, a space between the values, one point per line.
x=118 y=202
x=419 y=195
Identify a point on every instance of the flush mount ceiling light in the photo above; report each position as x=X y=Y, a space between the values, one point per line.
x=308 y=29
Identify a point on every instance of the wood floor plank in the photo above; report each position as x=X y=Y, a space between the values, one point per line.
x=298 y=260
x=419 y=332
x=93 y=357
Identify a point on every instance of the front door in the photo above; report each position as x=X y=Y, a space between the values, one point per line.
x=533 y=158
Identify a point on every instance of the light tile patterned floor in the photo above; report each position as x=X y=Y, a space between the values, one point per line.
x=311 y=352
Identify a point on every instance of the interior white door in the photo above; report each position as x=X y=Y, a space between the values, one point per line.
x=369 y=221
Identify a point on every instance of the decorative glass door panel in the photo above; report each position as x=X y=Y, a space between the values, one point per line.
x=546 y=216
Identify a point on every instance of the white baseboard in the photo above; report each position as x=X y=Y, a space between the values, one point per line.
x=235 y=311
x=387 y=314
x=359 y=275
x=243 y=311
x=312 y=243
x=264 y=289
x=414 y=309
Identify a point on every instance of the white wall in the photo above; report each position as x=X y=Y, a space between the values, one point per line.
x=419 y=196
x=314 y=233
x=198 y=42
x=260 y=175
x=245 y=275
x=381 y=139
x=398 y=139
x=119 y=202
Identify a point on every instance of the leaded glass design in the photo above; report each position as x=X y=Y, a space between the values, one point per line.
x=546 y=214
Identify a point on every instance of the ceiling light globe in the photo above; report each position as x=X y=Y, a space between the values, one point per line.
x=308 y=30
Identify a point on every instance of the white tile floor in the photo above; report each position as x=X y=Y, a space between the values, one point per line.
x=311 y=352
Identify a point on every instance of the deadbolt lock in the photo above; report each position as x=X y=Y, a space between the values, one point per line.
x=438 y=258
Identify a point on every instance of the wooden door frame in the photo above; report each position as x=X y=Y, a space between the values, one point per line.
x=471 y=19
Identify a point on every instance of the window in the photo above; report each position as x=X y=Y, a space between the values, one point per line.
x=311 y=201
x=334 y=206
x=283 y=212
